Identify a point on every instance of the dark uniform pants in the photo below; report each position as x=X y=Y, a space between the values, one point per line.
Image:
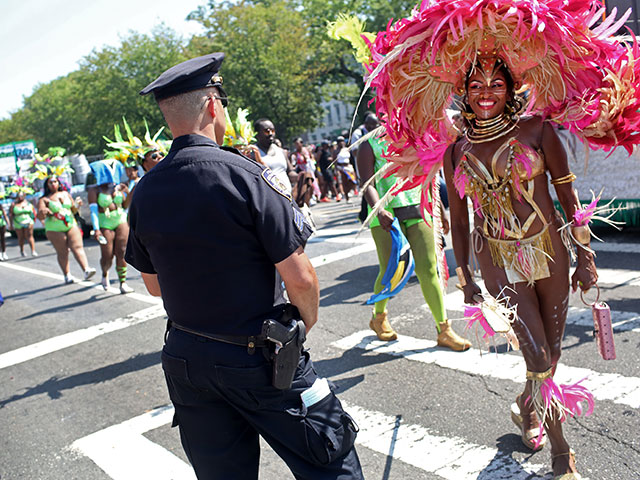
x=223 y=399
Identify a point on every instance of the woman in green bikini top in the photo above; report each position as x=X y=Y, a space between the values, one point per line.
x=111 y=230
x=56 y=209
x=3 y=230
x=21 y=218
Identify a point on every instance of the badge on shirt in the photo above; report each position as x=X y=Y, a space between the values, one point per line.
x=298 y=219
x=274 y=182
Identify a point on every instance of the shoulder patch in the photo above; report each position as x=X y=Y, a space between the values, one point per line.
x=274 y=182
x=298 y=219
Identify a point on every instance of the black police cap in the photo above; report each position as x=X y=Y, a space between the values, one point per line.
x=193 y=74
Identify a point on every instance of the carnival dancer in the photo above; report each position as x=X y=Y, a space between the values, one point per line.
x=345 y=173
x=56 y=208
x=106 y=196
x=577 y=75
x=405 y=207
x=4 y=221
x=22 y=216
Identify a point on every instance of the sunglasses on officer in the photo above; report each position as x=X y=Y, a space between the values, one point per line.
x=223 y=100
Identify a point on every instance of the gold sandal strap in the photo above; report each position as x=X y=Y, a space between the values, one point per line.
x=540 y=376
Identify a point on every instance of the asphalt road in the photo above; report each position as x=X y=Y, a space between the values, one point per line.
x=82 y=394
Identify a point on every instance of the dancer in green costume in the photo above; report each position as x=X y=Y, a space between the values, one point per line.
x=420 y=237
x=56 y=209
x=3 y=230
x=109 y=218
x=21 y=218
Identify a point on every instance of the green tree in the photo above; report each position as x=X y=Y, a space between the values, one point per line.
x=279 y=50
x=270 y=66
x=76 y=110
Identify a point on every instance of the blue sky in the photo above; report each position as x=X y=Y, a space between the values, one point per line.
x=44 y=39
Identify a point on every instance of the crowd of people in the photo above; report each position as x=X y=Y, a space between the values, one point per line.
x=109 y=186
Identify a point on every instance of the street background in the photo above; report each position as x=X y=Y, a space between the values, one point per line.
x=82 y=393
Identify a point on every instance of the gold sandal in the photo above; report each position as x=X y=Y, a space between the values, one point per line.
x=528 y=436
x=567 y=476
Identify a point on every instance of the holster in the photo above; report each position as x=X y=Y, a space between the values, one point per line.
x=286 y=337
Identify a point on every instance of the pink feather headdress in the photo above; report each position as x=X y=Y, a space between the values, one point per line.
x=578 y=74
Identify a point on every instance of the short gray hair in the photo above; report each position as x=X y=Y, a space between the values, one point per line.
x=186 y=105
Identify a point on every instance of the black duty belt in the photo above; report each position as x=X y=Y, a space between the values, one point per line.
x=250 y=342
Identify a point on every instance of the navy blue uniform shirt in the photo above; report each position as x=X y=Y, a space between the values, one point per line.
x=212 y=224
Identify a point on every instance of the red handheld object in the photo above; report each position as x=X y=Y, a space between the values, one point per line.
x=602 y=328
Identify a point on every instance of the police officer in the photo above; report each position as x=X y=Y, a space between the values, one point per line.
x=210 y=231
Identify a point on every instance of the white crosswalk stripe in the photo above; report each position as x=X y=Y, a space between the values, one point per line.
x=66 y=340
x=604 y=386
x=124 y=453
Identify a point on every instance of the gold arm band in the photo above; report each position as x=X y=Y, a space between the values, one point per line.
x=581 y=234
x=540 y=376
x=562 y=180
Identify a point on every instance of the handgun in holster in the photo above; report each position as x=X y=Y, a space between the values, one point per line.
x=288 y=336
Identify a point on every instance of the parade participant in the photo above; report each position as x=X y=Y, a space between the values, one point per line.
x=150 y=159
x=22 y=216
x=107 y=195
x=56 y=209
x=345 y=173
x=577 y=76
x=323 y=155
x=148 y=152
x=4 y=221
x=421 y=239
x=239 y=134
x=305 y=166
x=230 y=224
x=271 y=154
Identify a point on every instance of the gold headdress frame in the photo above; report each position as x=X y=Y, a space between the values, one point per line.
x=488 y=64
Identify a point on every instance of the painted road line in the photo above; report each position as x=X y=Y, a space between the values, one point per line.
x=604 y=386
x=56 y=276
x=322 y=260
x=616 y=247
x=123 y=453
x=448 y=457
x=623 y=321
x=618 y=277
x=66 y=340
x=341 y=240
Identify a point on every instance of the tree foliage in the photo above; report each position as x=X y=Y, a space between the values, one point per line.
x=76 y=110
x=269 y=66
x=280 y=64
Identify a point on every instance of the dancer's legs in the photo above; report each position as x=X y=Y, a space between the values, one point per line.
x=29 y=237
x=535 y=314
x=382 y=241
x=421 y=240
x=74 y=241
x=120 y=246
x=21 y=233
x=59 y=242
x=106 y=251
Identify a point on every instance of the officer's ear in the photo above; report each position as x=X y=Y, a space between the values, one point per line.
x=211 y=106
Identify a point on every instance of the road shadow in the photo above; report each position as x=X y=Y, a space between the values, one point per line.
x=352 y=359
x=350 y=285
x=504 y=467
x=34 y=291
x=55 y=385
x=65 y=308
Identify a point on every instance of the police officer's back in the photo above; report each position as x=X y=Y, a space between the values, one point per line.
x=209 y=229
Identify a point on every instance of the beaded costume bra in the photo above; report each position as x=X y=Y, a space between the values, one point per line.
x=492 y=194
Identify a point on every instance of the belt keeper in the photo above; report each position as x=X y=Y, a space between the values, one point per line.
x=251 y=345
